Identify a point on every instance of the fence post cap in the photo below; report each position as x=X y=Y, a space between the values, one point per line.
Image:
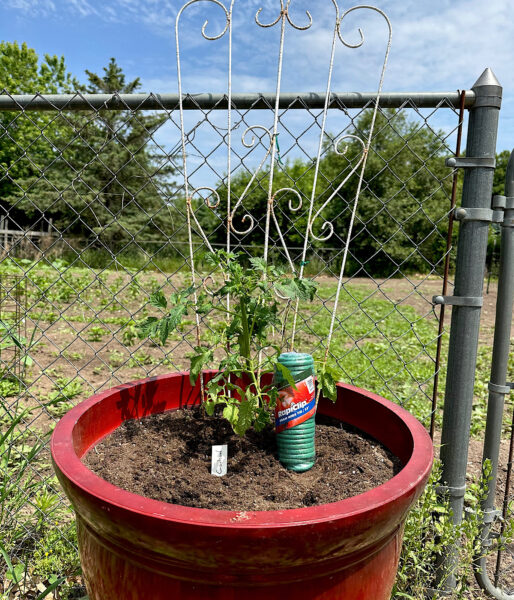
x=487 y=78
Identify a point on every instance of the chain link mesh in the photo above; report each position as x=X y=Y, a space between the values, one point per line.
x=94 y=220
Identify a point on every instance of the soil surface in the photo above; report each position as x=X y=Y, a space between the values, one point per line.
x=167 y=457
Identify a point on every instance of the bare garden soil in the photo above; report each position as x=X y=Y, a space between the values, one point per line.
x=167 y=457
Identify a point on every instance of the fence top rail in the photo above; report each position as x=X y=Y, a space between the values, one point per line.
x=311 y=100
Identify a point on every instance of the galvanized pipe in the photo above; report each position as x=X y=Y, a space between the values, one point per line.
x=314 y=100
x=498 y=386
x=465 y=321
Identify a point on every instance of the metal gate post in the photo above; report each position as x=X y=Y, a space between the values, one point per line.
x=467 y=300
x=498 y=386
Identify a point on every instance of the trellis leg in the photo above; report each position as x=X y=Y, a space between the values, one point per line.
x=465 y=322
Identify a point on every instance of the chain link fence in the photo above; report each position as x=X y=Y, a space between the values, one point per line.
x=93 y=217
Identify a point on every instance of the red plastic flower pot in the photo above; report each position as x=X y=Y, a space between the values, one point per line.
x=134 y=548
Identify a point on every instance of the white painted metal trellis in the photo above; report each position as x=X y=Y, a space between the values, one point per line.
x=327 y=228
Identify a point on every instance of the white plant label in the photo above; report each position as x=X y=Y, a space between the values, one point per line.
x=219 y=460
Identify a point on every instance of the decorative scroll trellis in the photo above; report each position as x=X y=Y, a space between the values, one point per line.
x=327 y=228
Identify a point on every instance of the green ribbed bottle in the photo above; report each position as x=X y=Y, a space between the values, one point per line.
x=296 y=449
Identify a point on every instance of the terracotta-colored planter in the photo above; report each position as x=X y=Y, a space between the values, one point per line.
x=134 y=548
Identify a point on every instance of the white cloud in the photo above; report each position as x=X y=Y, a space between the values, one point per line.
x=34 y=7
x=84 y=8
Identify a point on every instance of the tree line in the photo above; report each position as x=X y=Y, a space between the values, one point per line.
x=96 y=174
x=99 y=175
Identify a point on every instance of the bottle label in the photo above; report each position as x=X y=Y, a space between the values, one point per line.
x=294 y=406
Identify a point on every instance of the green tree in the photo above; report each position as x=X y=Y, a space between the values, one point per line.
x=254 y=195
x=28 y=139
x=500 y=172
x=107 y=180
x=401 y=220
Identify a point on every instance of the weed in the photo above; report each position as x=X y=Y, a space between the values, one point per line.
x=429 y=531
x=116 y=358
x=129 y=334
x=17 y=481
x=59 y=400
x=56 y=552
x=46 y=503
x=140 y=359
x=96 y=334
x=134 y=289
x=75 y=356
x=9 y=386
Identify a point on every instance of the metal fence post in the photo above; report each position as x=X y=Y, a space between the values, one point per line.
x=498 y=386
x=467 y=300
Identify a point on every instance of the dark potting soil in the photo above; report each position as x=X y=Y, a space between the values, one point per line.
x=167 y=457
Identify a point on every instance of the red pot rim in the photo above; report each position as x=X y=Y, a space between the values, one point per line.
x=403 y=484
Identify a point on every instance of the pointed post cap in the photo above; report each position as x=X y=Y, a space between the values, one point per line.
x=488 y=91
x=487 y=78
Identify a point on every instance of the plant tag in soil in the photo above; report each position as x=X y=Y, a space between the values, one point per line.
x=219 y=460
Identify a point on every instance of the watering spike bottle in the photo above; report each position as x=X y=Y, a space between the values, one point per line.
x=295 y=412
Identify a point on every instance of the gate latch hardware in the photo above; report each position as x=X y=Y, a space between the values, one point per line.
x=499 y=389
x=457 y=491
x=475 y=301
x=465 y=162
x=503 y=202
x=491 y=515
x=478 y=214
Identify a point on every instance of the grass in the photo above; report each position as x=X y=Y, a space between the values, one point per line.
x=84 y=323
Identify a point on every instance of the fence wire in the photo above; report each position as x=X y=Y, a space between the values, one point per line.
x=94 y=220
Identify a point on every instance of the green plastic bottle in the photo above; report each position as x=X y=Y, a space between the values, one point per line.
x=295 y=413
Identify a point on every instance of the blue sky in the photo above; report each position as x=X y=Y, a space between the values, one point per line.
x=437 y=46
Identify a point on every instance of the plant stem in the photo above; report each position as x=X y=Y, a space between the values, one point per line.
x=244 y=340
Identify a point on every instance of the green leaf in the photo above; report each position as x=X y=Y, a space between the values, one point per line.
x=231 y=413
x=306 y=289
x=328 y=385
x=158 y=300
x=201 y=358
x=175 y=315
x=8 y=330
x=180 y=297
x=245 y=417
x=301 y=289
x=148 y=327
x=286 y=374
x=258 y=263
x=209 y=406
x=27 y=360
x=164 y=330
x=204 y=306
x=261 y=420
